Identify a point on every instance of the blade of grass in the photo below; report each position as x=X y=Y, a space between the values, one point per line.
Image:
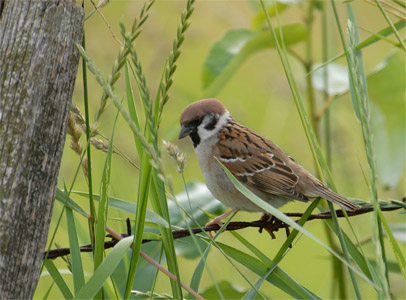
x=167 y=81
x=106 y=268
x=160 y=205
x=289 y=241
x=271 y=265
x=58 y=279
x=62 y=212
x=92 y=215
x=358 y=90
x=123 y=53
x=312 y=139
x=296 y=95
x=278 y=277
x=281 y=216
x=151 y=217
x=157 y=188
x=149 y=154
x=69 y=203
x=146 y=168
x=365 y=43
x=132 y=108
x=359 y=93
x=253 y=292
x=142 y=202
x=151 y=132
x=315 y=147
x=48 y=291
x=345 y=249
x=198 y=271
x=77 y=266
x=102 y=213
x=401 y=42
x=398 y=253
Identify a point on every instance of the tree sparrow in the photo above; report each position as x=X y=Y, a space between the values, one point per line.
x=255 y=161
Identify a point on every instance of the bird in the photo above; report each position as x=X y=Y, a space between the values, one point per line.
x=255 y=161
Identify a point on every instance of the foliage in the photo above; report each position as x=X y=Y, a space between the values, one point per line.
x=143 y=114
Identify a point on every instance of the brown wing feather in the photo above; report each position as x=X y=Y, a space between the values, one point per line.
x=257 y=162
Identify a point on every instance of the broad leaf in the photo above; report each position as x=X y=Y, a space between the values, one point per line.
x=387 y=93
x=201 y=201
x=228 y=54
x=337 y=82
x=399 y=232
x=259 y=20
x=278 y=277
x=232 y=291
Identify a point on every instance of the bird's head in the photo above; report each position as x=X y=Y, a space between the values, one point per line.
x=202 y=120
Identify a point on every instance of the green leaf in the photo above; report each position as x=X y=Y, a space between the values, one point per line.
x=367 y=42
x=151 y=217
x=106 y=268
x=399 y=232
x=77 y=266
x=68 y=202
x=387 y=93
x=57 y=277
x=259 y=20
x=132 y=109
x=201 y=201
x=392 y=265
x=281 y=216
x=102 y=213
x=400 y=258
x=228 y=54
x=232 y=291
x=278 y=277
x=223 y=52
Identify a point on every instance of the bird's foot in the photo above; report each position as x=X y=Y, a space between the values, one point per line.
x=217 y=220
x=275 y=223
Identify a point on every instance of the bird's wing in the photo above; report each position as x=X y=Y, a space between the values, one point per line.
x=257 y=162
x=265 y=173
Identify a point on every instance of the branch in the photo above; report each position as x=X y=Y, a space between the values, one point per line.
x=272 y=225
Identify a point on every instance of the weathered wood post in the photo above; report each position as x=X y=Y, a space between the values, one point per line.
x=38 y=67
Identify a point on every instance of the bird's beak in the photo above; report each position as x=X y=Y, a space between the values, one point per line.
x=184 y=131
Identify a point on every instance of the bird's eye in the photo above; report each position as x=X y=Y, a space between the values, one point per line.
x=196 y=122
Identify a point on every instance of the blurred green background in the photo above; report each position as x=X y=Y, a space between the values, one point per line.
x=257 y=96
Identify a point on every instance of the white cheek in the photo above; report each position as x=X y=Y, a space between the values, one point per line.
x=205 y=134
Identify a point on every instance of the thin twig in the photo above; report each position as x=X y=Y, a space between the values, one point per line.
x=324 y=108
x=272 y=225
x=156 y=265
x=107 y=23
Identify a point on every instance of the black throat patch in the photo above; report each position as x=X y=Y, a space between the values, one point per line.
x=195 y=138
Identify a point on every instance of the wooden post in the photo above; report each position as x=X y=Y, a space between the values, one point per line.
x=38 y=67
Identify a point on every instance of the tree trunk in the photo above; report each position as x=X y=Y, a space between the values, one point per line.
x=38 y=67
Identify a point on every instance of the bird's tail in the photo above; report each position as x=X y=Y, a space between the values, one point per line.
x=337 y=199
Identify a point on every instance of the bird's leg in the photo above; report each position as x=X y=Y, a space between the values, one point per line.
x=270 y=219
x=287 y=230
x=217 y=220
x=267 y=218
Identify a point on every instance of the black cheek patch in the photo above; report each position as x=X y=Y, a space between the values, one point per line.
x=212 y=124
x=195 y=138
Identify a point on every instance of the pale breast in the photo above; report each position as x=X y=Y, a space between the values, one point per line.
x=221 y=186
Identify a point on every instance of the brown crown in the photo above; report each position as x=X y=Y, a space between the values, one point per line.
x=200 y=108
